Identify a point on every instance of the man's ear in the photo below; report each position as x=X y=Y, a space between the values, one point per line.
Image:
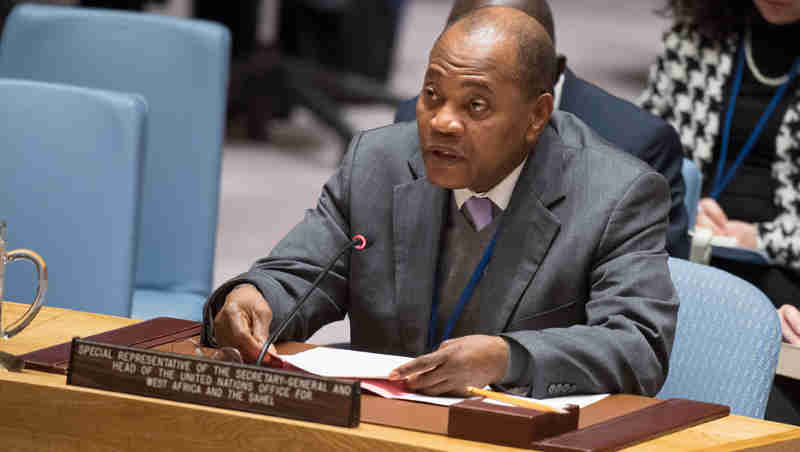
x=540 y=113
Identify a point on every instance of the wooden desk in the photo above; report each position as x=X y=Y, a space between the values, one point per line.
x=39 y=412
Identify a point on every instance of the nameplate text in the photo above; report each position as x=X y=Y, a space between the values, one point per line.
x=222 y=384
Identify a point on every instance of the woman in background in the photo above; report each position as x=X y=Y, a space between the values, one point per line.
x=728 y=84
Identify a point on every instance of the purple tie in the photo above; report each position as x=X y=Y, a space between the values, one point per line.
x=480 y=209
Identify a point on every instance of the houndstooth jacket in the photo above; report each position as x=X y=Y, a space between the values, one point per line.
x=686 y=88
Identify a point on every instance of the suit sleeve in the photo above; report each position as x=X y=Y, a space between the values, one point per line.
x=625 y=344
x=298 y=259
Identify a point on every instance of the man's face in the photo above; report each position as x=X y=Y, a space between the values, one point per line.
x=473 y=117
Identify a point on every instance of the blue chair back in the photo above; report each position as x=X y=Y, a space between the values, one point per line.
x=727 y=341
x=694 y=184
x=69 y=190
x=180 y=66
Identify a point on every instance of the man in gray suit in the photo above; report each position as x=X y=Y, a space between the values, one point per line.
x=553 y=277
x=644 y=135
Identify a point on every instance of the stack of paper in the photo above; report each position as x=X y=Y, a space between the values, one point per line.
x=373 y=370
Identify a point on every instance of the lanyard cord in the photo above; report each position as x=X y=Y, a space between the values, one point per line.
x=721 y=181
x=466 y=294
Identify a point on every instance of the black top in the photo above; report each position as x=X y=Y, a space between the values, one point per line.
x=750 y=195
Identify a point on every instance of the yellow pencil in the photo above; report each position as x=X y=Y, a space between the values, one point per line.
x=512 y=400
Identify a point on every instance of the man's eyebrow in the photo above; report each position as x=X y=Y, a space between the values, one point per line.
x=431 y=73
x=476 y=84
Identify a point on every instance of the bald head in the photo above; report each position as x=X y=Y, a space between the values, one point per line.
x=538 y=9
x=535 y=65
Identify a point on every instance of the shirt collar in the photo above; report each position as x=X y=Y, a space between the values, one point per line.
x=557 y=91
x=500 y=194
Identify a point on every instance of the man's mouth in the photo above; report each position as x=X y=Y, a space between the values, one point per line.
x=445 y=154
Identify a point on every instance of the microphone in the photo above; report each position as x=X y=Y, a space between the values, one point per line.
x=358 y=242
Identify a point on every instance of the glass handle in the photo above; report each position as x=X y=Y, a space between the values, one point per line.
x=41 y=273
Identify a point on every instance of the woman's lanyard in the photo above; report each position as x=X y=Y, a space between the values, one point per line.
x=466 y=294
x=721 y=181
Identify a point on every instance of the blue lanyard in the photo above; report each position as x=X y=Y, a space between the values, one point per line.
x=466 y=294
x=720 y=181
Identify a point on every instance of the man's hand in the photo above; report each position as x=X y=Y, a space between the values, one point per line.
x=710 y=215
x=243 y=322
x=790 y=323
x=475 y=360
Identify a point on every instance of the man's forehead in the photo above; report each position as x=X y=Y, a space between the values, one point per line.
x=484 y=52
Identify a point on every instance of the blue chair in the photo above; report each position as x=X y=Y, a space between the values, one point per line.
x=180 y=66
x=694 y=183
x=727 y=340
x=69 y=189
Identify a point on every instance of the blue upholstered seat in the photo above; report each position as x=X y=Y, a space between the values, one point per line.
x=727 y=342
x=180 y=66
x=69 y=188
x=694 y=184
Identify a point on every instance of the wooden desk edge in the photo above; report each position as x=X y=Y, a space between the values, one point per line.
x=96 y=406
x=362 y=438
x=778 y=442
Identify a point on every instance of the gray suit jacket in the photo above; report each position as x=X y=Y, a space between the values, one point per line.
x=578 y=277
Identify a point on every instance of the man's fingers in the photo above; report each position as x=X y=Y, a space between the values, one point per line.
x=250 y=348
x=260 y=327
x=422 y=364
x=424 y=381
x=246 y=340
x=445 y=387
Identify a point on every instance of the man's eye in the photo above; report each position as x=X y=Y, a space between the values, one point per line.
x=429 y=92
x=478 y=106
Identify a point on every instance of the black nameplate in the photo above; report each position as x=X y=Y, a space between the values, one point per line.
x=222 y=384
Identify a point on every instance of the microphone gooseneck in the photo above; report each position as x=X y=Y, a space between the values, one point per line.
x=358 y=242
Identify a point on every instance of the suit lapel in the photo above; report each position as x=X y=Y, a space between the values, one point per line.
x=528 y=228
x=418 y=216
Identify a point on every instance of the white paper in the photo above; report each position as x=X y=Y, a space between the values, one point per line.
x=375 y=368
x=339 y=363
x=559 y=402
x=384 y=389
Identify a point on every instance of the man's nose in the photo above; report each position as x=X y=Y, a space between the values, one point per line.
x=446 y=121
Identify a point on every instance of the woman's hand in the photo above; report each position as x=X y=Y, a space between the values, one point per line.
x=710 y=215
x=790 y=323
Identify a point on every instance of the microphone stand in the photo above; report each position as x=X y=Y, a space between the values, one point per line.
x=358 y=242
